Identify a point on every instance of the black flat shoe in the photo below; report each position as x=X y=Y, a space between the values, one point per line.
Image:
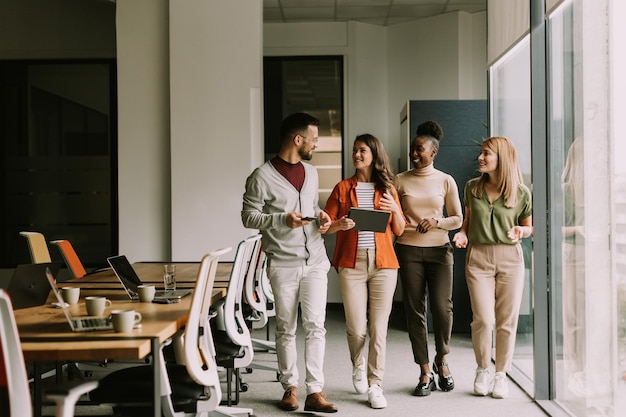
x=446 y=383
x=424 y=388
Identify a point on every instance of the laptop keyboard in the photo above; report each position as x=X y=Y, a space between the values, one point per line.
x=95 y=323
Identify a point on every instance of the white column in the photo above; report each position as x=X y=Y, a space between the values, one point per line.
x=143 y=129
x=216 y=119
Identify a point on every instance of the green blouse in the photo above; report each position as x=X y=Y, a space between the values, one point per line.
x=490 y=222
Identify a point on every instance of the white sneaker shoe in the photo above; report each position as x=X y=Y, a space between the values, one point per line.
x=375 y=397
x=359 y=379
x=500 y=386
x=482 y=381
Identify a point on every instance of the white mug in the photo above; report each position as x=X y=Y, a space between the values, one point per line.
x=146 y=293
x=70 y=294
x=96 y=305
x=125 y=320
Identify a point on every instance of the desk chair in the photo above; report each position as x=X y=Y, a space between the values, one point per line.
x=257 y=302
x=233 y=343
x=39 y=253
x=70 y=257
x=191 y=385
x=15 y=369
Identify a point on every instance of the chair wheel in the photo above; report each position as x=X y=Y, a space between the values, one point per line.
x=88 y=374
x=249 y=370
x=244 y=387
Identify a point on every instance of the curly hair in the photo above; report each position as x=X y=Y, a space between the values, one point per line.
x=430 y=128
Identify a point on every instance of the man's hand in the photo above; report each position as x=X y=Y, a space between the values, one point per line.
x=324 y=222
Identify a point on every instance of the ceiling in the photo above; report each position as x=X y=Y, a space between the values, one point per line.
x=377 y=12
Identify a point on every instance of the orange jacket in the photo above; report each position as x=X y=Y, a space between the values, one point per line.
x=339 y=202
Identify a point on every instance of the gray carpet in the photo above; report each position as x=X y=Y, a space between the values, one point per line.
x=400 y=378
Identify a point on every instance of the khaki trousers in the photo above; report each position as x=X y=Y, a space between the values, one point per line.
x=367 y=294
x=495 y=280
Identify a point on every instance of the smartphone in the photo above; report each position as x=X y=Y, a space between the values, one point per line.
x=166 y=301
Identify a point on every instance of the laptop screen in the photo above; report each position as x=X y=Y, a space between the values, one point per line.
x=126 y=274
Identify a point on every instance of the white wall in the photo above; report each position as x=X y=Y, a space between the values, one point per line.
x=143 y=129
x=216 y=136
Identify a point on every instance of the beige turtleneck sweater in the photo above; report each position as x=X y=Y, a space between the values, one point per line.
x=423 y=194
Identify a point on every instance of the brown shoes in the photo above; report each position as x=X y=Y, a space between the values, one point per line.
x=317 y=402
x=290 y=399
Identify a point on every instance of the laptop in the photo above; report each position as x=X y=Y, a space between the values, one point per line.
x=129 y=279
x=82 y=323
x=368 y=219
x=29 y=286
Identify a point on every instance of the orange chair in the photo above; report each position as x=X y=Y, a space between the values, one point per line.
x=70 y=257
x=37 y=246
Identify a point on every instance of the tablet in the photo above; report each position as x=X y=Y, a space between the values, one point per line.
x=366 y=219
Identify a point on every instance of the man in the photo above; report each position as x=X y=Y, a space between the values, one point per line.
x=281 y=201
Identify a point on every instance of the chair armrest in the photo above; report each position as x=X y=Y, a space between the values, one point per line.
x=65 y=396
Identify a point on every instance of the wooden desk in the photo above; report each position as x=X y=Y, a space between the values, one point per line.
x=152 y=273
x=46 y=335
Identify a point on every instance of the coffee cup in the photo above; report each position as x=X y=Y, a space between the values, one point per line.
x=124 y=320
x=70 y=294
x=96 y=305
x=146 y=293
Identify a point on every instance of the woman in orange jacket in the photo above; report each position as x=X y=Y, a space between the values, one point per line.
x=366 y=261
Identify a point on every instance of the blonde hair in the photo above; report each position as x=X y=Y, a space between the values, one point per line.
x=508 y=174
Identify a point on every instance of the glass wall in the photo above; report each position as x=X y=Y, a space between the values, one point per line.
x=510 y=117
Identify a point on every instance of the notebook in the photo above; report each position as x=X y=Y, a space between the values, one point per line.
x=367 y=219
x=129 y=279
x=29 y=286
x=78 y=324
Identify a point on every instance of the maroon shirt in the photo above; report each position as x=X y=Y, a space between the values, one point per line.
x=294 y=173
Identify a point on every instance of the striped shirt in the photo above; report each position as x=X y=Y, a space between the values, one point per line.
x=365 y=197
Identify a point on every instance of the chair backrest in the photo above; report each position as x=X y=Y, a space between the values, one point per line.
x=199 y=352
x=39 y=253
x=253 y=292
x=230 y=316
x=13 y=361
x=70 y=257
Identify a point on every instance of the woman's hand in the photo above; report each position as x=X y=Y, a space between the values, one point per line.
x=426 y=224
x=345 y=223
x=460 y=239
x=387 y=203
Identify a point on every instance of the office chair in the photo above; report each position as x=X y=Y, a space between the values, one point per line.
x=39 y=253
x=15 y=371
x=233 y=343
x=70 y=257
x=256 y=300
x=190 y=385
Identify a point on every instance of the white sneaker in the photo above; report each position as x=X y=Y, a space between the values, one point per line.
x=500 y=386
x=482 y=381
x=375 y=397
x=359 y=380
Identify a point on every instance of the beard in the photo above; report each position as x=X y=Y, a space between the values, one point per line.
x=305 y=155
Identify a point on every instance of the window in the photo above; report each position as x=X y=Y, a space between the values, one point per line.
x=59 y=175
x=312 y=85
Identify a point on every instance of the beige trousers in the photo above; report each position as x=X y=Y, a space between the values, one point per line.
x=367 y=294
x=495 y=280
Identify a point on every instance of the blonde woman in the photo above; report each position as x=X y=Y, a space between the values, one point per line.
x=498 y=214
